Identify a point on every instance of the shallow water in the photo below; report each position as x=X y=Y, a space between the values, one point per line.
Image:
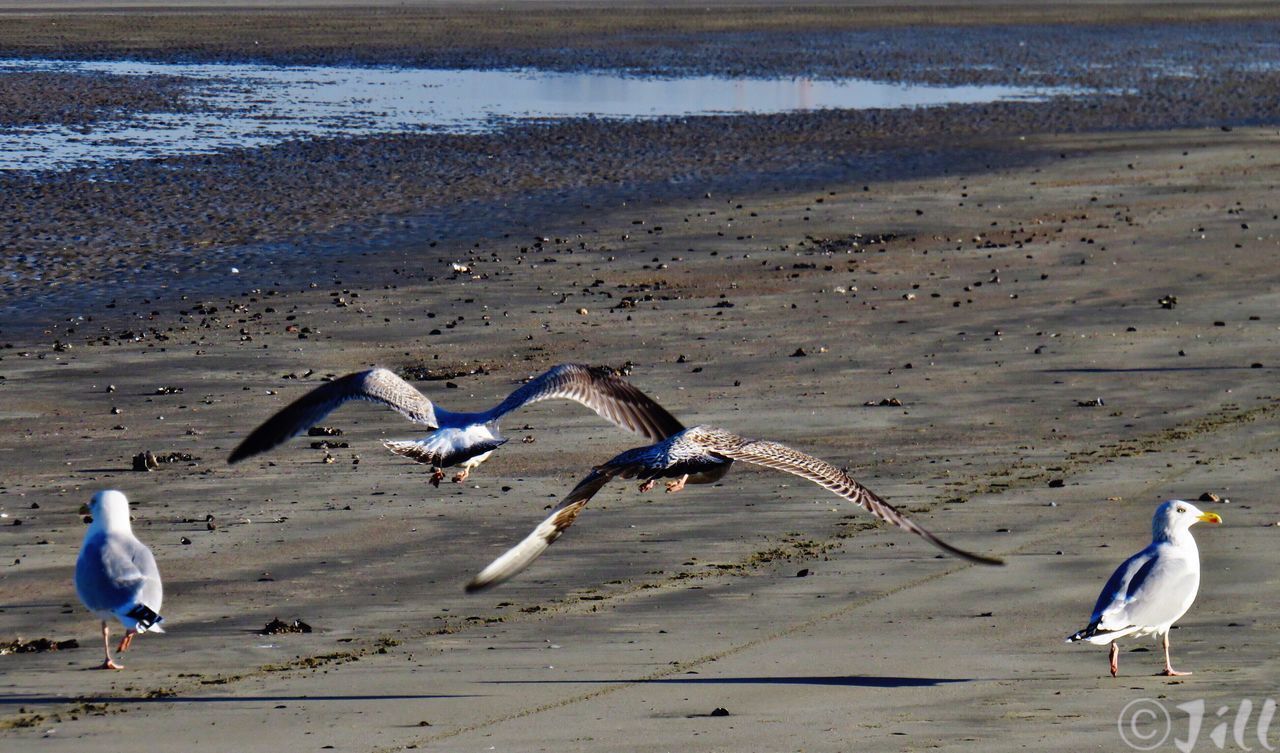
x=253 y=105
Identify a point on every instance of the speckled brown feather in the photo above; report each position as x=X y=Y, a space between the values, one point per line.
x=693 y=451
x=521 y=555
x=783 y=458
x=375 y=385
x=602 y=390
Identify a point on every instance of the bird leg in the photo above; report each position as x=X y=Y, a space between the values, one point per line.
x=646 y=486
x=677 y=485
x=106 y=649
x=1114 y=655
x=126 y=641
x=437 y=476
x=461 y=476
x=1169 y=671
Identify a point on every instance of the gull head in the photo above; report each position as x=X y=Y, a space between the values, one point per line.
x=109 y=511
x=1175 y=518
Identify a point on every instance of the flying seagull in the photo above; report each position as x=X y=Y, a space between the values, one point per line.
x=698 y=455
x=464 y=438
x=1154 y=587
x=116 y=576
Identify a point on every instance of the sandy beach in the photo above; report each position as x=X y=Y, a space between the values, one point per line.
x=1006 y=294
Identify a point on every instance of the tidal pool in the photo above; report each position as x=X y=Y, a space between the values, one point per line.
x=253 y=105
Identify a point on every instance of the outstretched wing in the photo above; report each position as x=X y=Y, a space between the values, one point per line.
x=523 y=554
x=376 y=385
x=602 y=390
x=783 y=458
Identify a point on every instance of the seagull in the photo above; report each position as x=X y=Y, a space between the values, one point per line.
x=1153 y=588
x=116 y=576
x=702 y=454
x=464 y=438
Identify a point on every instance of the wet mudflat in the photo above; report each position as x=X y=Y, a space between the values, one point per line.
x=261 y=205
x=1024 y=331
x=246 y=106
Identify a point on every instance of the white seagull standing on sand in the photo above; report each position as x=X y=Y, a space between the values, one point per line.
x=116 y=576
x=1154 y=587
x=702 y=454
x=464 y=438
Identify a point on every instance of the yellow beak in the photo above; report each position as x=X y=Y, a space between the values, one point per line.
x=1210 y=517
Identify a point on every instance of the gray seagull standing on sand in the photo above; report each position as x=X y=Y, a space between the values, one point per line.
x=116 y=576
x=1153 y=588
x=701 y=454
x=464 y=438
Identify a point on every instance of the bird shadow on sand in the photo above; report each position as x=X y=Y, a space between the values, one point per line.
x=852 y=681
x=34 y=700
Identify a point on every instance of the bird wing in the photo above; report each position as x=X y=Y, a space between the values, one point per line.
x=523 y=554
x=1157 y=592
x=111 y=574
x=602 y=390
x=376 y=385
x=783 y=458
x=1113 y=597
x=152 y=592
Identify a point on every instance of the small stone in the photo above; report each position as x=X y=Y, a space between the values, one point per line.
x=1209 y=497
x=1057 y=483
x=145 y=461
x=720 y=711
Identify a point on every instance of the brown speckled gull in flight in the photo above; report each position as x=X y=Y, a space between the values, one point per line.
x=702 y=454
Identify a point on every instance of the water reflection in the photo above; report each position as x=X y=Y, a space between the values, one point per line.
x=248 y=105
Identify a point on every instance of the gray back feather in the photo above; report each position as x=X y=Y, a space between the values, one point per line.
x=115 y=571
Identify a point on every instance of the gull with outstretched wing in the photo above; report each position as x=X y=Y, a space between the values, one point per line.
x=466 y=439
x=699 y=455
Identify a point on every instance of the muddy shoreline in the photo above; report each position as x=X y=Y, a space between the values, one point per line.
x=1022 y=324
x=178 y=214
x=990 y=304
x=150 y=224
x=734 y=38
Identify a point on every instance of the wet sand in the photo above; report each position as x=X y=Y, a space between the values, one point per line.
x=991 y=301
x=146 y=224
x=655 y=610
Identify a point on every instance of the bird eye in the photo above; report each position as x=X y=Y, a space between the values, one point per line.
x=1182 y=509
